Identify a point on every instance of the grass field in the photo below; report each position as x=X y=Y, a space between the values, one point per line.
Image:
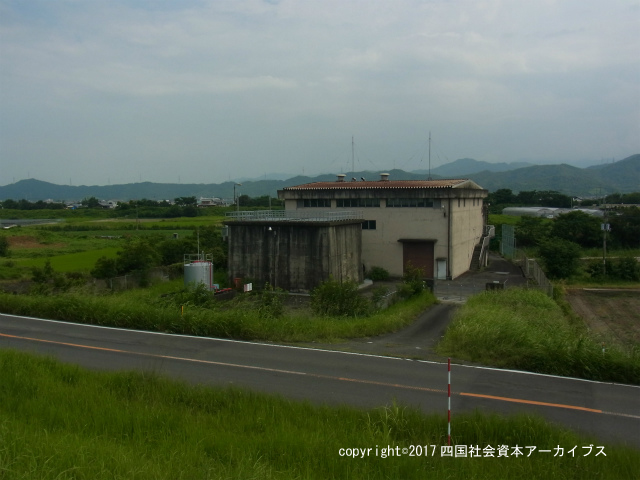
x=61 y=422
x=525 y=329
x=71 y=262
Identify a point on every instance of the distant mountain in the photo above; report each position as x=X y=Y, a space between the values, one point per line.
x=468 y=166
x=622 y=177
x=624 y=173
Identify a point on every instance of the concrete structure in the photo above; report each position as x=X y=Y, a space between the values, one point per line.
x=434 y=224
x=294 y=252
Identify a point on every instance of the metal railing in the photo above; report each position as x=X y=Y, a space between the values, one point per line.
x=295 y=215
x=534 y=272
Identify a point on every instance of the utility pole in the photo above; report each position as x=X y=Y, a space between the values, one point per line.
x=235 y=199
x=605 y=228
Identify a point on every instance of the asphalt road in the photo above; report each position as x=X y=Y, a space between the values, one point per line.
x=608 y=411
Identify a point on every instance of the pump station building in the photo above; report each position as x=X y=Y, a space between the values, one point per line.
x=343 y=228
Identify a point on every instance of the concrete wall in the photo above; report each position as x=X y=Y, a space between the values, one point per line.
x=467 y=226
x=454 y=229
x=295 y=256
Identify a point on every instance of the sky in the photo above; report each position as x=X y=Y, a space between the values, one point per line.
x=119 y=91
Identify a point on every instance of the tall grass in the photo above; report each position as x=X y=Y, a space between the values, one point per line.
x=59 y=421
x=525 y=329
x=238 y=320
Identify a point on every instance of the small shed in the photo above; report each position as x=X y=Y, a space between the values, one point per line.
x=292 y=252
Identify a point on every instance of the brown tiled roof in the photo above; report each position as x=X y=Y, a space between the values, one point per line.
x=386 y=184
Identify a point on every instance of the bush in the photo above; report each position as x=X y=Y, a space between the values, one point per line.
x=336 y=299
x=414 y=279
x=378 y=274
x=623 y=268
x=271 y=304
x=560 y=257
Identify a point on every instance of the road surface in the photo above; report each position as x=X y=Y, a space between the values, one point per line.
x=610 y=412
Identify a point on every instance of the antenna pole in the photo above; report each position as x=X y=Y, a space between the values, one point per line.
x=352 y=150
x=429 y=178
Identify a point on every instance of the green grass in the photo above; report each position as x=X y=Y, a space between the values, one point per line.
x=525 y=329
x=240 y=319
x=72 y=262
x=59 y=421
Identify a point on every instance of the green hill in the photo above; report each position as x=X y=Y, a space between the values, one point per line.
x=621 y=177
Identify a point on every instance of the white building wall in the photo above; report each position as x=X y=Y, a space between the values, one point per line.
x=381 y=248
x=467 y=227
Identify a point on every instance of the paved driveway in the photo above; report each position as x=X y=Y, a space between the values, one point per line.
x=499 y=271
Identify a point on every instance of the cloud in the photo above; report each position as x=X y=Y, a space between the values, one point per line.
x=287 y=82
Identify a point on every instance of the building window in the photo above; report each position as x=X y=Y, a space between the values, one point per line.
x=409 y=202
x=369 y=225
x=357 y=202
x=314 y=202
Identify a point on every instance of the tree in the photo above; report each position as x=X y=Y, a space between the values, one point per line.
x=502 y=196
x=137 y=254
x=530 y=231
x=335 y=299
x=544 y=198
x=184 y=201
x=578 y=227
x=625 y=228
x=560 y=257
x=10 y=204
x=105 y=268
x=90 y=202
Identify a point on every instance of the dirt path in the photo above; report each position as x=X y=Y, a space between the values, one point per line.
x=416 y=341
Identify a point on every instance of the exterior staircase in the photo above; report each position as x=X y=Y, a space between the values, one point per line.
x=481 y=250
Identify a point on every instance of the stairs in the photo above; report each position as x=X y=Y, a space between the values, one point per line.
x=475 y=258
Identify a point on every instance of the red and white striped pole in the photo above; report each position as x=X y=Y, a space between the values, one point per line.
x=449 y=394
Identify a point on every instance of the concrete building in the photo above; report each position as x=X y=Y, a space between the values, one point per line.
x=437 y=225
x=292 y=250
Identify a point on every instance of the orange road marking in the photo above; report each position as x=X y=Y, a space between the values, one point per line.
x=328 y=377
x=530 y=402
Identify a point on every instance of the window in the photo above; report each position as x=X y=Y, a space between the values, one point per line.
x=369 y=225
x=357 y=202
x=409 y=202
x=314 y=202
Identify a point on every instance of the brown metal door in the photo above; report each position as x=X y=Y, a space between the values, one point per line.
x=420 y=254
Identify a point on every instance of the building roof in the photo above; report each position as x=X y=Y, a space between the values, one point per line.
x=388 y=185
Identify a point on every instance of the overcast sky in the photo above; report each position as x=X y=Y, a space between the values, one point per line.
x=118 y=91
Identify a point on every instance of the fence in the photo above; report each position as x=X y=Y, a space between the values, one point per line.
x=295 y=215
x=132 y=280
x=534 y=272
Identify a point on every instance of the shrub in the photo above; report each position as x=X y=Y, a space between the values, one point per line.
x=271 y=304
x=560 y=257
x=378 y=274
x=378 y=295
x=336 y=299
x=626 y=268
x=414 y=278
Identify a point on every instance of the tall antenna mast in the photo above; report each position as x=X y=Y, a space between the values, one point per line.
x=429 y=178
x=352 y=149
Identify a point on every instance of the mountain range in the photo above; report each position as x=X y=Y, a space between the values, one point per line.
x=622 y=176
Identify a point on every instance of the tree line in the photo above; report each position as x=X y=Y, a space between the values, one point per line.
x=146 y=208
x=140 y=254
x=505 y=197
x=560 y=242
